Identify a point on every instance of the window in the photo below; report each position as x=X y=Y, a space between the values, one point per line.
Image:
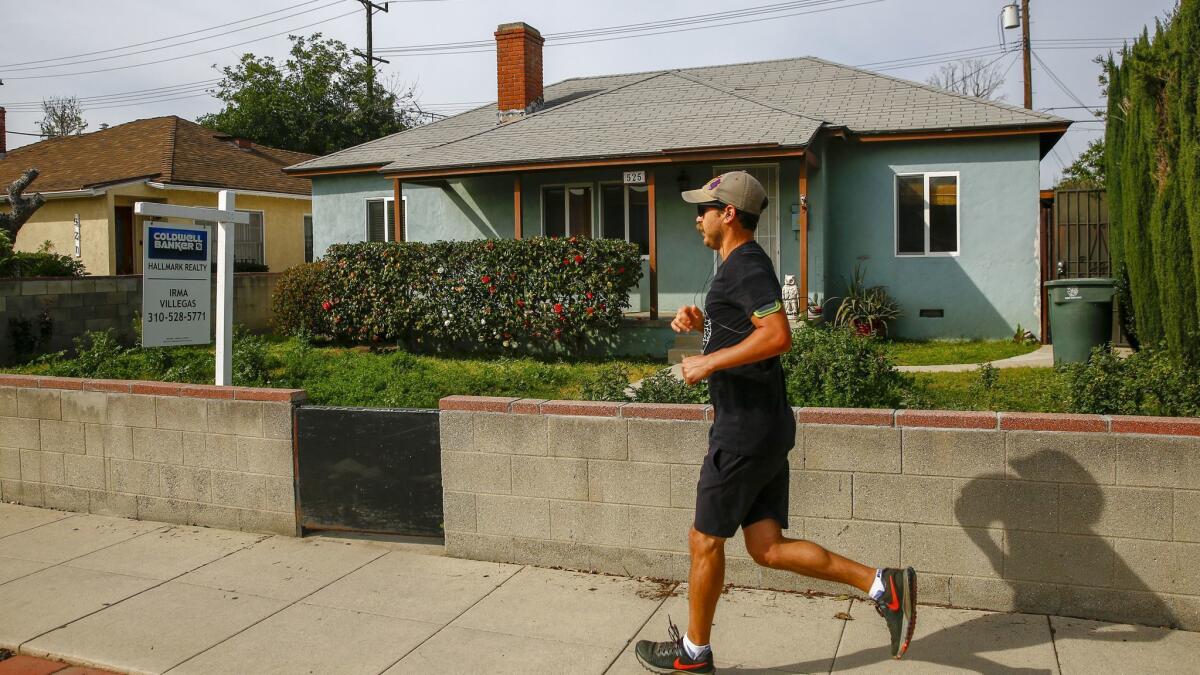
x=308 y=238
x=381 y=219
x=927 y=214
x=248 y=240
x=625 y=214
x=567 y=211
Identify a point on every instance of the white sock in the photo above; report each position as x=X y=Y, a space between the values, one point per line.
x=694 y=651
x=876 y=591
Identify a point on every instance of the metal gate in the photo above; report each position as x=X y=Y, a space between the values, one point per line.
x=1075 y=229
x=369 y=470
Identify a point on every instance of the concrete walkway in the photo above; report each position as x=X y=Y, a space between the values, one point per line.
x=145 y=597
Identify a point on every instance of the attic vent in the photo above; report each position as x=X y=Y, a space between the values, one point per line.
x=932 y=313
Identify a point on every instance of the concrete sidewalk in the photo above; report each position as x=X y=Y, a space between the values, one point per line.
x=145 y=597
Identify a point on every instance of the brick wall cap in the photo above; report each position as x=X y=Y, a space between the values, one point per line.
x=154 y=388
x=583 y=408
x=1025 y=421
x=665 y=411
x=947 y=419
x=1167 y=426
x=876 y=417
x=477 y=403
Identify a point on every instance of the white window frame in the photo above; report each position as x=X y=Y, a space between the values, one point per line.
x=263 y=213
x=567 y=206
x=389 y=233
x=925 y=190
x=598 y=226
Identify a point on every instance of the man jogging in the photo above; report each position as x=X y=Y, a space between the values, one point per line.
x=744 y=479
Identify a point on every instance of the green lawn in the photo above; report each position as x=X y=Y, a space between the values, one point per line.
x=939 y=352
x=1015 y=390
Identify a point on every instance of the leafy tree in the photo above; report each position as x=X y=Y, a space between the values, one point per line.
x=316 y=101
x=970 y=77
x=62 y=116
x=1087 y=171
x=1152 y=164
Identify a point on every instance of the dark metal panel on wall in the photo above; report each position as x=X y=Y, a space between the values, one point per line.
x=369 y=470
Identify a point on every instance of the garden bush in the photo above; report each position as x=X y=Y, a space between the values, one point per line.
x=1151 y=381
x=835 y=367
x=513 y=296
x=296 y=301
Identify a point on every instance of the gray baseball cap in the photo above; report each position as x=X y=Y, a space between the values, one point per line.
x=736 y=188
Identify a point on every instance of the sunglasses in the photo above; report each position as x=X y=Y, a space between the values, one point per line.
x=702 y=209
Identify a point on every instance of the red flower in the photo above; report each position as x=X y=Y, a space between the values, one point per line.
x=620 y=270
x=558 y=308
x=602 y=306
x=490 y=245
x=578 y=259
x=572 y=239
x=327 y=305
x=486 y=279
x=591 y=311
x=566 y=261
x=588 y=295
x=520 y=303
x=491 y=289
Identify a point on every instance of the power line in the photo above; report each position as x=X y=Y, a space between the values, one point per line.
x=185 y=56
x=180 y=44
x=627 y=31
x=169 y=37
x=1059 y=82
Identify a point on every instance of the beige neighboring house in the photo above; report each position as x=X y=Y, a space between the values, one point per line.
x=95 y=178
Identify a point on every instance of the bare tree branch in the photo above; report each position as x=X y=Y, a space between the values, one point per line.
x=22 y=206
x=970 y=77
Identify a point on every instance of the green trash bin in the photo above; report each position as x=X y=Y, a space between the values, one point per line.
x=1080 y=317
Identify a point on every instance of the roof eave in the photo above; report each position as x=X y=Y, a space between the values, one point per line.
x=666 y=156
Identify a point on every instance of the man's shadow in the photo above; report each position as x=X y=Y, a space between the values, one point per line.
x=963 y=645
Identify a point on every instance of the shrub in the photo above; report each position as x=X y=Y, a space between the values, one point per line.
x=486 y=295
x=836 y=367
x=610 y=384
x=664 y=387
x=42 y=263
x=296 y=301
x=866 y=309
x=1149 y=382
x=249 y=266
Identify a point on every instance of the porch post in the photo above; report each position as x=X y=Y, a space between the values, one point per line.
x=517 y=206
x=653 y=244
x=398 y=210
x=804 y=235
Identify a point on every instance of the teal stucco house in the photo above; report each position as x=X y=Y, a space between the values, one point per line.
x=934 y=192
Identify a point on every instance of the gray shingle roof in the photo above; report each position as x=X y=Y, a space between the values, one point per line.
x=782 y=102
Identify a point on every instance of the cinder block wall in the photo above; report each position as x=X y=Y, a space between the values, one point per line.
x=75 y=306
x=1076 y=515
x=189 y=454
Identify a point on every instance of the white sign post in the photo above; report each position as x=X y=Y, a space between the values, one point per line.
x=176 y=285
x=225 y=218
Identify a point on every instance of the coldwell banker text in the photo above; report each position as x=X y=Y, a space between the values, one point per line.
x=177 y=250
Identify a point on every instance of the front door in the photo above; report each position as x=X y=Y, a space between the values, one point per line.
x=125 y=239
x=767 y=234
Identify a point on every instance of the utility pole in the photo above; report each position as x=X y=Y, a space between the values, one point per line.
x=370 y=55
x=1025 y=53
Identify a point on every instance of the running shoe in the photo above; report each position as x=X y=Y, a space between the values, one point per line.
x=670 y=656
x=898 y=606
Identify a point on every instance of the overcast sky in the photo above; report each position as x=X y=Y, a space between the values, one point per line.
x=854 y=32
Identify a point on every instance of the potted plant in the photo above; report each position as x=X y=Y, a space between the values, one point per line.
x=866 y=309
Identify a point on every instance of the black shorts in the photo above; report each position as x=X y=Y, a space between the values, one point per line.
x=740 y=490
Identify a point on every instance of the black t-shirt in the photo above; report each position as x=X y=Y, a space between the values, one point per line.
x=753 y=416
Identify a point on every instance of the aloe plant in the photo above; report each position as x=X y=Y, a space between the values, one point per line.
x=866 y=309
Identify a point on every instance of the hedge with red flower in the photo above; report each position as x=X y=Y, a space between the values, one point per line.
x=487 y=295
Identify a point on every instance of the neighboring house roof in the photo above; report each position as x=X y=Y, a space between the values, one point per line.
x=169 y=150
x=772 y=102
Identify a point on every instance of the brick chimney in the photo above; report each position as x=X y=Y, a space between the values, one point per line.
x=518 y=70
x=3 y=134
x=243 y=143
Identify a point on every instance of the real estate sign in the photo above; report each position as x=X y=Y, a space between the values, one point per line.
x=176 y=285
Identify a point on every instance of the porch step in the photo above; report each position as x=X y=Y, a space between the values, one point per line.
x=678 y=355
x=686 y=344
